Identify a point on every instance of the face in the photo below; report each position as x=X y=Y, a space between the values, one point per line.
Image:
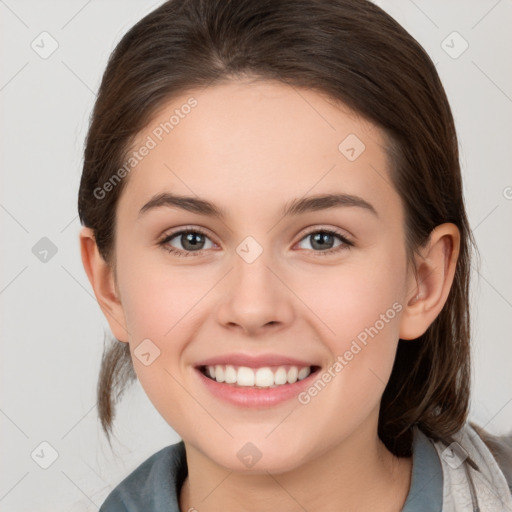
x=324 y=285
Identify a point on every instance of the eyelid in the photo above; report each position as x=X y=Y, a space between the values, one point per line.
x=347 y=241
x=305 y=231
x=177 y=231
x=185 y=229
x=313 y=228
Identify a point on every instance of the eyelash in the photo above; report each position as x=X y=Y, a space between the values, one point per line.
x=346 y=244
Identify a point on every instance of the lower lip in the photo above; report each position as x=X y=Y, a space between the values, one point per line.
x=246 y=396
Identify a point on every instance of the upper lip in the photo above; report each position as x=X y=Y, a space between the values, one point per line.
x=253 y=361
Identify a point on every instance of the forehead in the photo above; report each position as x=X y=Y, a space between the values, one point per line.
x=250 y=141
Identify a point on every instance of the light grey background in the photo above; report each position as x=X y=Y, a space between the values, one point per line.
x=52 y=327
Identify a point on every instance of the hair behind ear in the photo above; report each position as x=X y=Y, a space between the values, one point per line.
x=116 y=371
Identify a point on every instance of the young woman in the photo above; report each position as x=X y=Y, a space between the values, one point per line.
x=274 y=228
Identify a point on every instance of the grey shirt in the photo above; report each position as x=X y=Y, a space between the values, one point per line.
x=155 y=485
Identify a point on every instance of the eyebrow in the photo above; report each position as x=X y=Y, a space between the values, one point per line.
x=294 y=207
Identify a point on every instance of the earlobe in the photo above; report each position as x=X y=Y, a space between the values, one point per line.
x=430 y=285
x=101 y=277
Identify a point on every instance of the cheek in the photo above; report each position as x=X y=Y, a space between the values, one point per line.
x=361 y=306
x=158 y=306
x=156 y=296
x=354 y=297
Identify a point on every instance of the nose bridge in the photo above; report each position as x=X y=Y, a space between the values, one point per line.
x=254 y=295
x=252 y=264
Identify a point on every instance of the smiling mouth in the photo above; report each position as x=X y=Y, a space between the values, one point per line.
x=262 y=378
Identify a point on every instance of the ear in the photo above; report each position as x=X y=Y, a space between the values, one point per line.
x=102 y=280
x=429 y=287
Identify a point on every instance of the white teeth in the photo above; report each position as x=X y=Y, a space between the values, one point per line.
x=264 y=377
x=245 y=376
x=229 y=374
x=293 y=373
x=303 y=373
x=281 y=376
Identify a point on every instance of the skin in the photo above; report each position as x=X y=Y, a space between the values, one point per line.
x=250 y=148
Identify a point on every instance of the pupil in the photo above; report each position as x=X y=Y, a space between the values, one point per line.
x=190 y=238
x=321 y=237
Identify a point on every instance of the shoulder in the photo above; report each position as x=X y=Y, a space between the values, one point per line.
x=501 y=449
x=151 y=484
x=476 y=465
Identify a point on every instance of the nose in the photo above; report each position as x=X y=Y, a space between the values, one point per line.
x=255 y=297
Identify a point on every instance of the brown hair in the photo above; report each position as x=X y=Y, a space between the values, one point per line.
x=355 y=53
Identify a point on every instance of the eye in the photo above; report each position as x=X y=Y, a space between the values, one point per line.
x=192 y=241
x=324 y=238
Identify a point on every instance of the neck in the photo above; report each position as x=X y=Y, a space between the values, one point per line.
x=356 y=474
